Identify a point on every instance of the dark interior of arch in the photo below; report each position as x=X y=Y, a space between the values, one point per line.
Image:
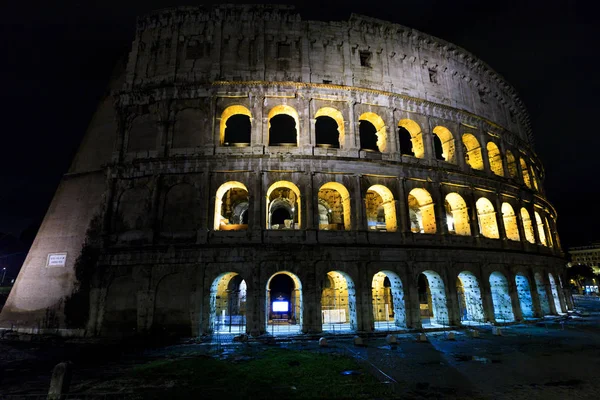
x=279 y=215
x=237 y=130
x=406 y=147
x=422 y=285
x=281 y=285
x=437 y=147
x=283 y=130
x=326 y=131
x=368 y=136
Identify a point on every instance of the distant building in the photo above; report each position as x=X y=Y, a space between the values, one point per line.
x=588 y=255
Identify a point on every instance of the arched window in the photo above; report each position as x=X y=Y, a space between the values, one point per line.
x=329 y=128
x=334 y=207
x=372 y=132
x=510 y=222
x=473 y=154
x=381 y=209
x=488 y=226
x=406 y=147
x=231 y=207
x=525 y=173
x=495 y=159
x=421 y=211
x=235 y=126
x=283 y=206
x=444 y=144
x=527 y=226
x=181 y=211
x=283 y=126
x=457 y=215
x=541 y=229
x=416 y=137
x=511 y=163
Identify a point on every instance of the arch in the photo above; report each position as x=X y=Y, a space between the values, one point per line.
x=473 y=155
x=238 y=133
x=457 y=215
x=554 y=291
x=231 y=203
x=501 y=300
x=338 y=302
x=325 y=134
x=432 y=300
x=542 y=294
x=284 y=196
x=285 y=319
x=421 y=211
x=525 y=173
x=418 y=148
x=446 y=138
x=285 y=131
x=495 y=158
x=377 y=128
x=133 y=210
x=510 y=222
x=527 y=225
x=486 y=215
x=389 y=309
x=524 y=294
x=120 y=307
x=337 y=200
x=142 y=133
x=228 y=303
x=511 y=163
x=381 y=209
x=182 y=209
x=541 y=229
x=172 y=306
x=469 y=298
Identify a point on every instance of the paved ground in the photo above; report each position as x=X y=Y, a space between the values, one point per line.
x=547 y=360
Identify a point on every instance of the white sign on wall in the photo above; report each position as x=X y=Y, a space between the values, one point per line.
x=56 y=260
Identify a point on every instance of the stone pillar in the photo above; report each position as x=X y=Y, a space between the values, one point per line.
x=451 y=297
x=535 y=298
x=402 y=207
x=429 y=153
x=364 y=300
x=145 y=310
x=521 y=226
x=440 y=210
x=473 y=216
x=359 y=204
x=486 y=298
x=257 y=137
x=154 y=217
x=411 y=299
x=485 y=157
x=514 y=296
x=500 y=218
x=459 y=148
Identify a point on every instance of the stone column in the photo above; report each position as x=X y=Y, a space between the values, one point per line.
x=514 y=296
x=257 y=138
x=451 y=297
x=486 y=298
x=429 y=153
x=440 y=210
x=535 y=298
x=402 y=207
x=500 y=218
x=459 y=149
x=473 y=216
x=485 y=157
x=411 y=300
x=359 y=206
x=364 y=306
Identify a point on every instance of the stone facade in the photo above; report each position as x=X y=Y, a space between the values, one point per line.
x=365 y=175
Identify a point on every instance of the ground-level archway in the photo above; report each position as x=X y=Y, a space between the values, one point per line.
x=542 y=294
x=501 y=300
x=470 y=303
x=432 y=300
x=389 y=310
x=228 y=304
x=554 y=290
x=338 y=303
x=524 y=294
x=284 y=304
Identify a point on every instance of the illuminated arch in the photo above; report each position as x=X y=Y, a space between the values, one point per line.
x=510 y=222
x=527 y=225
x=422 y=213
x=435 y=298
x=389 y=311
x=554 y=291
x=470 y=302
x=525 y=173
x=448 y=146
x=416 y=136
x=379 y=125
x=541 y=229
x=495 y=159
x=511 y=163
x=486 y=215
x=283 y=109
x=524 y=295
x=542 y=293
x=473 y=154
x=338 y=302
x=295 y=316
x=503 y=311
x=220 y=222
x=339 y=212
x=381 y=205
x=337 y=116
x=457 y=215
x=228 y=113
x=228 y=304
x=294 y=204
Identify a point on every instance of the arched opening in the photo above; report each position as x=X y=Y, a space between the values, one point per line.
x=503 y=311
x=172 y=306
x=235 y=126
x=511 y=163
x=488 y=226
x=524 y=293
x=181 y=211
x=469 y=298
x=457 y=215
x=373 y=136
x=525 y=173
x=334 y=207
x=527 y=226
x=381 y=209
x=554 y=291
x=329 y=128
x=510 y=222
x=421 y=211
x=284 y=304
x=495 y=159
x=432 y=300
x=283 y=206
x=416 y=137
x=133 y=210
x=541 y=229
x=542 y=294
x=120 y=308
x=443 y=141
x=231 y=207
x=338 y=302
x=473 y=155
x=389 y=312
x=283 y=126
x=406 y=146
x=228 y=304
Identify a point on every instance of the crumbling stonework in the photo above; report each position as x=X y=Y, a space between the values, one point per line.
x=364 y=175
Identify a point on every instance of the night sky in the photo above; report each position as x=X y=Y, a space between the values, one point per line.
x=56 y=60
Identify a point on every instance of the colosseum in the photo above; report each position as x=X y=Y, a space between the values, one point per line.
x=254 y=172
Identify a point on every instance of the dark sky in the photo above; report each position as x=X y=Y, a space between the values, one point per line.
x=56 y=59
